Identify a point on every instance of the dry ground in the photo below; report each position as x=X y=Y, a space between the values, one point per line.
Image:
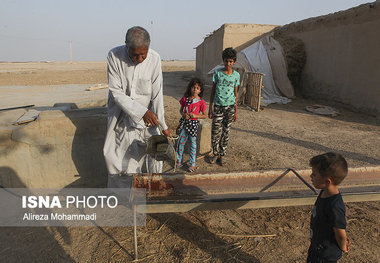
x=280 y=136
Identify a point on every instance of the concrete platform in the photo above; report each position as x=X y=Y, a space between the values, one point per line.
x=60 y=149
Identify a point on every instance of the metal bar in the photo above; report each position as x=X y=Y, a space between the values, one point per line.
x=275 y=181
x=18 y=107
x=135 y=231
x=303 y=180
x=167 y=207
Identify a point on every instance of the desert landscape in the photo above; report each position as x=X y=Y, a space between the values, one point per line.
x=278 y=137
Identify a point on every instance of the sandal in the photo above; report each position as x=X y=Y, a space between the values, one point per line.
x=212 y=159
x=222 y=162
x=191 y=169
x=178 y=165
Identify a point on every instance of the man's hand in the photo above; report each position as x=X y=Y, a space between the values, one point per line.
x=150 y=119
x=167 y=133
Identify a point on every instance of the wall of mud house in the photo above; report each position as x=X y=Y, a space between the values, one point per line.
x=209 y=52
x=59 y=149
x=343 y=56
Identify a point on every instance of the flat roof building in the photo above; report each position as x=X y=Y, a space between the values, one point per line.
x=209 y=52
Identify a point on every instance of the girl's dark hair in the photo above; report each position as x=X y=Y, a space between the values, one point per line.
x=192 y=82
x=229 y=53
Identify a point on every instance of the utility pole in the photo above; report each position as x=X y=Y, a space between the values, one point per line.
x=71 y=51
x=152 y=32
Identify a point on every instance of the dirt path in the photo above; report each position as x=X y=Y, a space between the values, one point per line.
x=280 y=136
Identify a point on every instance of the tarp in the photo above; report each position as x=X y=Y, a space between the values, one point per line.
x=278 y=66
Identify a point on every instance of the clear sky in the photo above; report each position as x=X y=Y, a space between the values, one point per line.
x=41 y=30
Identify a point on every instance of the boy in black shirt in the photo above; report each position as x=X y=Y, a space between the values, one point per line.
x=328 y=220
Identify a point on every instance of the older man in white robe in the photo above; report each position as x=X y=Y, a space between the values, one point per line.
x=135 y=105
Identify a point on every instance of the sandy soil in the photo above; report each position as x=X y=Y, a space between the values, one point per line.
x=280 y=136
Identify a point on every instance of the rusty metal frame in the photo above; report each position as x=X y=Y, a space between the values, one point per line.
x=243 y=190
x=173 y=193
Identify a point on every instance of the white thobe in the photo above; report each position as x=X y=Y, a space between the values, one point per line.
x=133 y=89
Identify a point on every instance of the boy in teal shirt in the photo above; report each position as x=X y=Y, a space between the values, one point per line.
x=223 y=105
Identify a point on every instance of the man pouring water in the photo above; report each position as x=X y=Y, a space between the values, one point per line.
x=135 y=105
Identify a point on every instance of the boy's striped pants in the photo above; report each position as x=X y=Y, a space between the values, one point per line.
x=221 y=123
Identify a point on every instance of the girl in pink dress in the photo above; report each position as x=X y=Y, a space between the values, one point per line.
x=193 y=107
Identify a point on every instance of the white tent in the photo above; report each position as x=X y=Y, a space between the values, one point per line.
x=265 y=56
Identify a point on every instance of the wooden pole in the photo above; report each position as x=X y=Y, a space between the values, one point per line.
x=71 y=51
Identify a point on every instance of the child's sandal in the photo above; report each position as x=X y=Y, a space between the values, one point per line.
x=191 y=169
x=222 y=161
x=212 y=159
